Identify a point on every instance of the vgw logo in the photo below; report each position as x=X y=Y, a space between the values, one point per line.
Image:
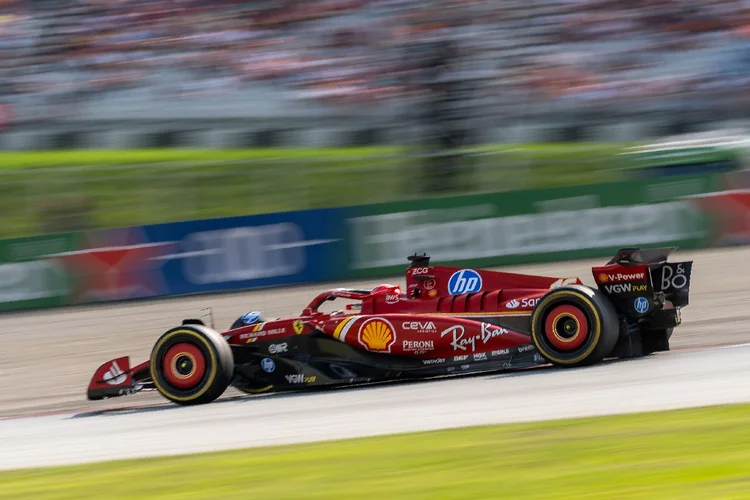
x=464 y=281
x=625 y=288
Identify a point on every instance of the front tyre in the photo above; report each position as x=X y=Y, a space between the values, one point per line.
x=191 y=365
x=574 y=326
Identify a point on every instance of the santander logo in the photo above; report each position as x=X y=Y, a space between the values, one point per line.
x=524 y=303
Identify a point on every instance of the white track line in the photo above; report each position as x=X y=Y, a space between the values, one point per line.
x=677 y=380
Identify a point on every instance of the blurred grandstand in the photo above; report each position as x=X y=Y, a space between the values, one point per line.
x=564 y=60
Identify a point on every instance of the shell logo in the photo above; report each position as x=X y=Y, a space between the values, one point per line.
x=603 y=278
x=377 y=335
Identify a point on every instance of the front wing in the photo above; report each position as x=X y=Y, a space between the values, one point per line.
x=116 y=378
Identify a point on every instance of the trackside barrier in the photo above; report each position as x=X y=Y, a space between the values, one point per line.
x=312 y=246
x=530 y=226
x=210 y=255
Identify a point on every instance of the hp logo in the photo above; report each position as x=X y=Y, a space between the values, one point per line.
x=641 y=305
x=268 y=365
x=464 y=281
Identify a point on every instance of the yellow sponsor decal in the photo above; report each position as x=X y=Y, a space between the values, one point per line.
x=299 y=378
x=377 y=335
x=298 y=326
x=340 y=326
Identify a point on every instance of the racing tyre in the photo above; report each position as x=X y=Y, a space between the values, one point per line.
x=574 y=326
x=191 y=365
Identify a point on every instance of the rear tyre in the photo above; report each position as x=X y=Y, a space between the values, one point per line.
x=191 y=365
x=574 y=326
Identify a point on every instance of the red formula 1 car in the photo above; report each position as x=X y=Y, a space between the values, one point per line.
x=447 y=321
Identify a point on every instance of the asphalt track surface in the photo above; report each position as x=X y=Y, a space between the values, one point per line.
x=47 y=359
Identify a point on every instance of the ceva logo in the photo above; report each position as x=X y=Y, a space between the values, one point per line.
x=464 y=281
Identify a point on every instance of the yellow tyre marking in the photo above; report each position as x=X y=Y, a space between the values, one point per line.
x=212 y=372
x=255 y=391
x=597 y=327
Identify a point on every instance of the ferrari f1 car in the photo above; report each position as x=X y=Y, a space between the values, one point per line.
x=447 y=321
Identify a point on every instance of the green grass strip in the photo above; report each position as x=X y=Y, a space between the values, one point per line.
x=57 y=158
x=697 y=453
x=124 y=188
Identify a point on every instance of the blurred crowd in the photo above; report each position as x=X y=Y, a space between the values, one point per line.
x=556 y=52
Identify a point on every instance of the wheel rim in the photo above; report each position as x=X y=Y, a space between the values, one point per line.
x=184 y=365
x=566 y=327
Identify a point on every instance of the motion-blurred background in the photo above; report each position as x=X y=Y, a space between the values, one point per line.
x=126 y=113
x=370 y=68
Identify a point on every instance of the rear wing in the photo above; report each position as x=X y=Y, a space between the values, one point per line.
x=645 y=272
x=637 y=256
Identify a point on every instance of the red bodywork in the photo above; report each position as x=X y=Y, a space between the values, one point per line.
x=423 y=320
